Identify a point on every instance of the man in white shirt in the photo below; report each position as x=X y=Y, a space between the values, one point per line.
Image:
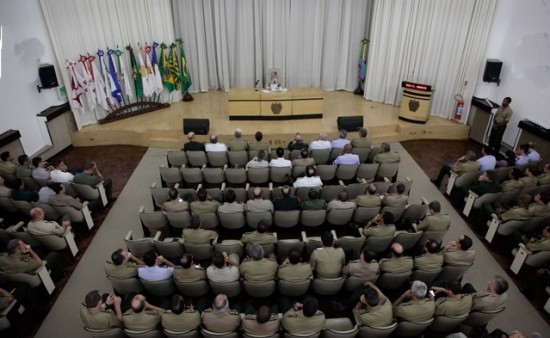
x=310 y=180
x=532 y=153
x=258 y=161
x=157 y=267
x=321 y=143
x=224 y=269
x=347 y=157
x=214 y=145
x=60 y=174
x=341 y=141
x=40 y=172
x=280 y=161
x=486 y=161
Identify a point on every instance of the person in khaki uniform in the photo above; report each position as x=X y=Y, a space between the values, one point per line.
x=380 y=226
x=450 y=301
x=459 y=252
x=365 y=266
x=98 y=315
x=464 y=164
x=396 y=197
x=293 y=269
x=181 y=317
x=263 y=323
x=363 y=141
x=327 y=261
x=431 y=260
x=176 y=203
x=123 y=265
x=258 y=269
x=194 y=234
x=220 y=318
x=513 y=183
x=142 y=316
x=304 y=319
x=386 y=155
x=373 y=308
x=492 y=299
x=540 y=206
x=260 y=236
x=370 y=199
x=238 y=143
x=435 y=221
x=204 y=203
x=188 y=271
x=398 y=263
x=542 y=244
x=413 y=305
x=544 y=178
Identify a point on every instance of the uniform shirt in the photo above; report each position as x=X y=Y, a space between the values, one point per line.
x=183 y=322
x=529 y=182
x=252 y=327
x=295 y=272
x=320 y=144
x=296 y=323
x=8 y=167
x=155 y=273
x=543 y=179
x=503 y=114
x=488 y=301
x=45 y=228
x=194 y=273
x=415 y=310
x=223 y=275
x=395 y=200
x=257 y=146
x=238 y=144
x=175 y=206
x=379 y=230
x=539 y=245
x=486 y=162
x=143 y=321
x=122 y=271
x=257 y=237
x=193 y=146
x=227 y=321
x=396 y=265
x=428 y=262
x=201 y=207
x=259 y=205
x=465 y=167
x=314 y=181
x=358 y=268
x=317 y=204
x=280 y=163
x=517 y=214
x=437 y=222
x=510 y=185
x=198 y=236
x=61 y=176
x=337 y=204
x=327 y=262
x=347 y=159
x=376 y=316
x=447 y=306
x=389 y=157
x=231 y=208
x=303 y=162
x=539 y=210
x=258 y=270
x=88 y=179
x=99 y=319
x=368 y=201
x=361 y=142
x=215 y=147
x=23 y=263
x=23 y=171
x=5 y=192
x=459 y=257
x=65 y=201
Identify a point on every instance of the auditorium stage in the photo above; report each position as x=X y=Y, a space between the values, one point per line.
x=164 y=128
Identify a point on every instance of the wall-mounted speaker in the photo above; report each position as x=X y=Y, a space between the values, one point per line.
x=350 y=123
x=47 y=76
x=198 y=126
x=492 y=70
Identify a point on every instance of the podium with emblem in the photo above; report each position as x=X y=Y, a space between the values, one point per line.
x=415 y=103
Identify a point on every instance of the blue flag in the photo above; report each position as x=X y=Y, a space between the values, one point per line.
x=116 y=91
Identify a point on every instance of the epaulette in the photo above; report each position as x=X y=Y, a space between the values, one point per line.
x=441 y=300
x=247 y=259
x=252 y=317
x=208 y=310
x=293 y=315
x=273 y=317
x=382 y=301
x=354 y=261
x=198 y=267
x=235 y=312
x=319 y=313
x=154 y=313
x=363 y=311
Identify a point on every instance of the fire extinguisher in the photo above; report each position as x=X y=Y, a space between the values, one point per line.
x=459 y=107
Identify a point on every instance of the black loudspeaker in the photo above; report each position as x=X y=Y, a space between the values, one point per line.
x=47 y=76
x=492 y=70
x=350 y=123
x=198 y=126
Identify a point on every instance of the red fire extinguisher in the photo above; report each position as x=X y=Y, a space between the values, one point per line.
x=459 y=107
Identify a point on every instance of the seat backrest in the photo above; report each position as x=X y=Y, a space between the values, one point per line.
x=138 y=247
x=6 y=204
x=313 y=335
x=356 y=189
x=363 y=153
x=326 y=172
x=74 y=215
x=258 y=176
x=378 y=244
x=387 y=169
x=302 y=193
x=538 y=259
x=397 y=211
x=293 y=289
x=353 y=282
x=235 y=175
x=376 y=332
x=126 y=286
x=327 y=286
x=259 y=289
x=51 y=242
x=213 y=175
x=231 y=246
x=143 y=334
x=362 y=214
x=286 y=219
x=199 y=251
x=160 y=288
x=176 y=158
x=209 y=220
x=24 y=207
x=252 y=218
x=193 y=289
x=192 y=176
x=230 y=289
x=407 y=239
x=232 y=221
x=340 y=216
x=238 y=158
x=114 y=332
x=155 y=220
x=392 y=281
x=412 y=329
x=196 y=158
x=170 y=176
x=21 y=277
x=321 y=156
x=179 y=219
x=313 y=218
x=280 y=174
x=452 y=273
x=86 y=192
x=508 y=196
x=486 y=198
x=330 y=192
x=426 y=276
x=169 y=249
x=217 y=158
x=479 y=318
x=447 y=323
x=346 y=171
x=351 y=245
x=413 y=213
x=435 y=235
x=284 y=246
x=509 y=227
x=367 y=171
x=187 y=334
x=340 y=328
x=159 y=195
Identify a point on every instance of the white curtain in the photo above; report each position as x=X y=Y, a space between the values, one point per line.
x=83 y=26
x=440 y=42
x=232 y=43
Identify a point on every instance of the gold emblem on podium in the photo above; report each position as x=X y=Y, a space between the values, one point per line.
x=276 y=107
x=414 y=105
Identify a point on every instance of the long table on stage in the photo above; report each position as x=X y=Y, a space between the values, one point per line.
x=296 y=103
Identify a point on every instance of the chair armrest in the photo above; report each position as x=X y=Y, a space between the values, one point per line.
x=246 y=187
x=223 y=186
x=224 y=167
x=524 y=247
x=304 y=237
x=415 y=227
x=408 y=179
x=333 y=232
x=128 y=236
x=270 y=186
x=340 y=182
x=361 y=234
x=275 y=234
x=97 y=185
x=67 y=231
x=15 y=228
x=473 y=194
x=425 y=201
x=141 y=209
x=199 y=187
x=153 y=185
x=157 y=236
x=387 y=180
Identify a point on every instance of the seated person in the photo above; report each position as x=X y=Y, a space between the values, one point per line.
x=264 y=323
x=327 y=261
x=220 y=318
x=99 y=315
x=464 y=164
x=286 y=202
x=92 y=176
x=258 y=161
x=21 y=258
x=304 y=160
x=386 y=155
x=492 y=299
x=297 y=143
x=260 y=235
x=142 y=316
x=459 y=252
x=396 y=197
x=41 y=169
x=342 y=202
x=194 y=234
x=509 y=159
x=60 y=173
x=450 y=301
x=61 y=199
x=519 y=212
x=365 y=266
x=19 y=193
x=540 y=205
x=224 y=268
x=293 y=269
x=487 y=161
x=214 y=145
x=25 y=168
x=156 y=268
x=8 y=166
x=181 y=317
x=540 y=244
x=280 y=161
x=258 y=145
x=204 y=203
x=193 y=145
x=373 y=308
x=513 y=183
x=304 y=319
x=259 y=204
x=341 y=141
x=529 y=180
x=176 y=203
x=38 y=226
x=380 y=226
x=257 y=268
x=398 y=263
x=309 y=180
x=521 y=154
x=363 y=141
x=238 y=143
x=544 y=178
x=45 y=192
x=314 y=202
x=321 y=143
x=414 y=305
x=123 y=265
x=370 y=199
x=347 y=157
x=430 y=260
x=188 y=271
x=485 y=184
x=436 y=221
x=231 y=205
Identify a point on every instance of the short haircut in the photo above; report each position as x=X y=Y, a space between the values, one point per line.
x=220 y=303
x=56 y=186
x=214 y=139
x=257 y=192
x=88 y=165
x=261 y=154
x=388 y=217
x=397 y=250
x=238 y=133
x=262 y=226
x=471 y=155
x=343 y=133
x=310 y=171
x=92 y=298
x=466 y=243
x=36 y=161
x=322 y=135
x=490 y=175
x=371 y=296
x=263 y=315
x=508 y=99
x=419 y=289
x=327 y=238
x=285 y=190
x=400 y=188
x=515 y=173
x=432 y=246
x=230 y=196
x=304 y=153
x=501 y=285
x=294 y=256
x=117 y=257
x=34 y=211
x=138 y=306
x=12 y=246
x=298 y=137
x=218 y=259
x=186 y=261
x=385 y=147
x=368 y=255
x=256 y=251
x=258 y=136
x=435 y=206
x=149 y=258
x=173 y=193
x=343 y=196
x=178 y=304
x=313 y=194
x=56 y=163
x=310 y=306
x=21 y=159
x=454 y=287
x=372 y=189
x=363 y=132
x=5 y=155
x=202 y=194
x=280 y=152
x=195 y=222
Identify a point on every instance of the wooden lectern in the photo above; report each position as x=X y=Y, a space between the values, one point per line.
x=415 y=103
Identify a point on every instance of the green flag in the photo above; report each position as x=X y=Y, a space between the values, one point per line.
x=135 y=73
x=174 y=67
x=185 y=76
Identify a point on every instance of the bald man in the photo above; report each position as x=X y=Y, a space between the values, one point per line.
x=193 y=145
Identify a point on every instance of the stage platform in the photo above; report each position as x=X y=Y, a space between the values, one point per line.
x=164 y=128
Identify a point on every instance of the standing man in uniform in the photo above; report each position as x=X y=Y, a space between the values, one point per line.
x=500 y=120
